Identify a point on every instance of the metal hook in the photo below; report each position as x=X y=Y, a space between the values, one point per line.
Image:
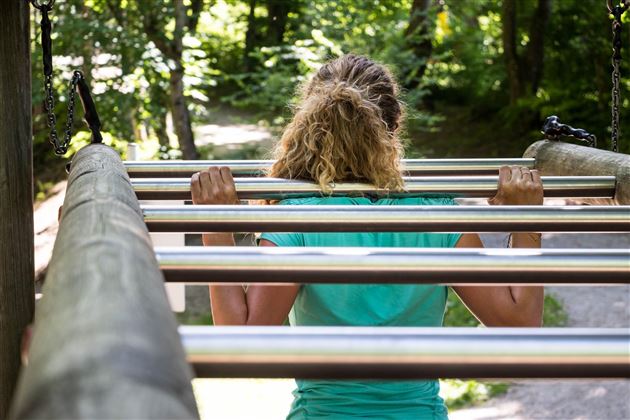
x=43 y=6
x=622 y=6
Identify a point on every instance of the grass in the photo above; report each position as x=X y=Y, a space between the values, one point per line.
x=459 y=393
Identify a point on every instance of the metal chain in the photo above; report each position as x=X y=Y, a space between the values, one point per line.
x=616 y=12
x=614 y=135
x=61 y=147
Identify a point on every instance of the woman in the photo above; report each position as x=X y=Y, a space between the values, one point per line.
x=346 y=129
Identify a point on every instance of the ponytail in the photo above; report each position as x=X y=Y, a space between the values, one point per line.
x=339 y=133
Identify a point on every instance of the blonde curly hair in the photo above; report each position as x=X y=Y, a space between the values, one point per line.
x=345 y=128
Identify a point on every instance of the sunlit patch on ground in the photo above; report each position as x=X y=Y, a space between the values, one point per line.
x=222 y=135
x=243 y=399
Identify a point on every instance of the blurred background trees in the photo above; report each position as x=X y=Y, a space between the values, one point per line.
x=479 y=77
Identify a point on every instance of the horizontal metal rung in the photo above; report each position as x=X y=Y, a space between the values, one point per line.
x=185 y=168
x=278 y=265
x=387 y=218
x=474 y=186
x=406 y=353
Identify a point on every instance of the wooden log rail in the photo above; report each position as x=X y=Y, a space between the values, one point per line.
x=554 y=158
x=105 y=343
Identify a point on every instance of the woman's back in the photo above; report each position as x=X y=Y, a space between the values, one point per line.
x=367 y=305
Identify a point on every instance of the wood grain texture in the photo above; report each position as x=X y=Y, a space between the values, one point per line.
x=105 y=343
x=16 y=193
x=565 y=159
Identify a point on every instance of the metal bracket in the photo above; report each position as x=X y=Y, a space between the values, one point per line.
x=553 y=129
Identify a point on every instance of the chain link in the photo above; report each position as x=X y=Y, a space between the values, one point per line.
x=616 y=11
x=51 y=120
x=614 y=135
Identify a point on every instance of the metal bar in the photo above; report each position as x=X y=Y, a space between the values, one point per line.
x=276 y=189
x=278 y=265
x=407 y=353
x=387 y=218
x=185 y=168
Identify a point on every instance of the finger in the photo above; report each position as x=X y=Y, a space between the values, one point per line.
x=538 y=185
x=228 y=181
x=206 y=184
x=504 y=174
x=536 y=177
x=195 y=188
x=217 y=181
x=526 y=174
x=516 y=174
x=226 y=175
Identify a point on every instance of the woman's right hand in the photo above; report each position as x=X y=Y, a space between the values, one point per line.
x=215 y=185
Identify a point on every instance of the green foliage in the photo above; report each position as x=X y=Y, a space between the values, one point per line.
x=457 y=314
x=554 y=314
x=185 y=318
x=462 y=99
x=459 y=393
x=268 y=91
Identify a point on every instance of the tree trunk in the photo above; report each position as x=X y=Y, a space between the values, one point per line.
x=160 y=131
x=536 y=47
x=251 y=37
x=419 y=36
x=277 y=16
x=181 y=116
x=88 y=49
x=17 y=293
x=172 y=49
x=179 y=108
x=508 y=20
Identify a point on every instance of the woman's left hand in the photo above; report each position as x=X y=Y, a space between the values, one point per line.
x=213 y=186
x=518 y=186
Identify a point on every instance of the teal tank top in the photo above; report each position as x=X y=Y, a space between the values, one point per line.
x=367 y=305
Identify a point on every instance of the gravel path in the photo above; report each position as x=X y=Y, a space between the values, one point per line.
x=598 y=307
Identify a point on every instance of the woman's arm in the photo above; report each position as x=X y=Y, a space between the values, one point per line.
x=254 y=305
x=236 y=304
x=508 y=306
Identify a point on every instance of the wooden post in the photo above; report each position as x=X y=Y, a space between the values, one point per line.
x=17 y=292
x=105 y=343
x=565 y=159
